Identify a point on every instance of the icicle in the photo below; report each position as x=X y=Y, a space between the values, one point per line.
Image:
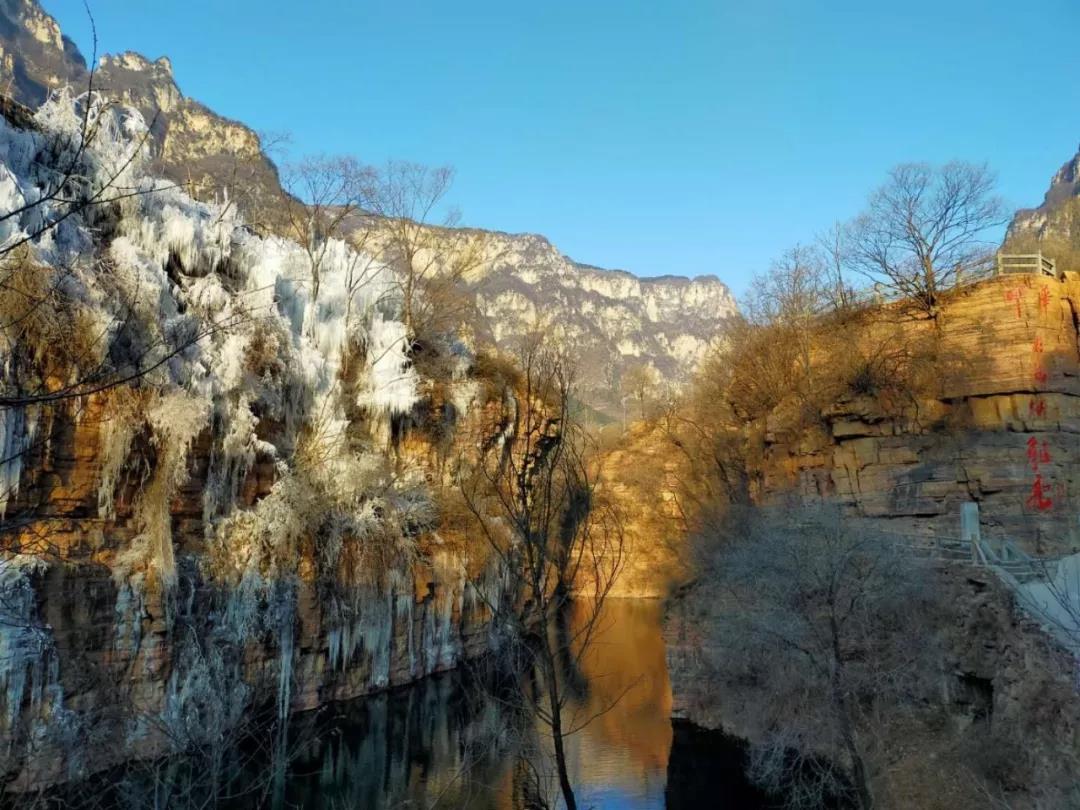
x=391 y=381
x=286 y=610
x=376 y=633
x=25 y=648
x=15 y=441
x=128 y=613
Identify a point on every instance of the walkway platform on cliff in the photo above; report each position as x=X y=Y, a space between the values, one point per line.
x=1022 y=263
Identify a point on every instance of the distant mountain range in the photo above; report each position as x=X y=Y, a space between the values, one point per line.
x=1054 y=226
x=615 y=320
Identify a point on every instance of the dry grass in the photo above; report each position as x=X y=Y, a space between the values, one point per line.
x=55 y=336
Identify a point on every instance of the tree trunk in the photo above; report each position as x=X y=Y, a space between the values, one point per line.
x=930 y=279
x=847 y=725
x=858 y=767
x=560 y=752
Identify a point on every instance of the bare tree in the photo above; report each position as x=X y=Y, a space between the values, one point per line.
x=533 y=498
x=640 y=382
x=707 y=437
x=428 y=253
x=926 y=229
x=326 y=198
x=792 y=291
x=831 y=253
x=823 y=628
x=789 y=300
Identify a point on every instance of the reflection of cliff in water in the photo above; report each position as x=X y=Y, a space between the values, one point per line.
x=449 y=742
x=446 y=742
x=439 y=742
x=622 y=754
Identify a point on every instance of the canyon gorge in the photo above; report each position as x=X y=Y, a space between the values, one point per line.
x=273 y=475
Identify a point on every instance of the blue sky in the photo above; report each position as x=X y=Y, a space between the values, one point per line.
x=662 y=137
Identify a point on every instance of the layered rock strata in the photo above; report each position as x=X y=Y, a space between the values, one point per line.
x=997 y=424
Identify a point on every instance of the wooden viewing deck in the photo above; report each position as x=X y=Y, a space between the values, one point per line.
x=1026 y=263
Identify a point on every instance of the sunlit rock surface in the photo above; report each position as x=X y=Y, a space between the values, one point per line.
x=241 y=527
x=612 y=320
x=640 y=478
x=997 y=422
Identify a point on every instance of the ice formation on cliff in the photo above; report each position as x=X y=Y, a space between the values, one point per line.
x=229 y=345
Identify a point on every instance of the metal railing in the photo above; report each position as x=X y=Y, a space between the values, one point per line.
x=1042 y=586
x=1026 y=263
x=999 y=553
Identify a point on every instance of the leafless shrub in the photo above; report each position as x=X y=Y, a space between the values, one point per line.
x=820 y=629
x=533 y=497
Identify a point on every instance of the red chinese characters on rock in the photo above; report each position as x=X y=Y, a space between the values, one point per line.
x=1016 y=295
x=1038 y=500
x=1040 y=369
x=1038 y=453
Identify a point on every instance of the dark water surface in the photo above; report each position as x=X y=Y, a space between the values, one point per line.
x=446 y=743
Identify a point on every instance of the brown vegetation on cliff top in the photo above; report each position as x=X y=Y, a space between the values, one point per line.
x=890 y=414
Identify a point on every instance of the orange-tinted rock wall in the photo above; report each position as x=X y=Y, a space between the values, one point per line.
x=998 y=423
x=99 y=667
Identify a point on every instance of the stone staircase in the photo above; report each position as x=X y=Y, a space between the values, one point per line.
x=1046 y=589
x=1007 y=559
x=1001 y=555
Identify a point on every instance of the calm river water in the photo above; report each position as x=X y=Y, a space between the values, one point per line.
x=444 y=743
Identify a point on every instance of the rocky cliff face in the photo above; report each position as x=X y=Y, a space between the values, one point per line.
x=99 y=666
x=980 y=408
x=217 y=486
x=613 y=320
x=996 y=424
x=35 y=56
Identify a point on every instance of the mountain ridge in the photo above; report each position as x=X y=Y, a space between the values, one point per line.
x=614 y=318
x=1053 y=226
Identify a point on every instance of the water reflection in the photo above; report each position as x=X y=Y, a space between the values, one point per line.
x=620 y=758
x=452 y=742
x=446 y=742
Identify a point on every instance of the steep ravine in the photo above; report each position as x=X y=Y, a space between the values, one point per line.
x=991 y=417
x=249 y=526
x=241 y=523
x=614 y=320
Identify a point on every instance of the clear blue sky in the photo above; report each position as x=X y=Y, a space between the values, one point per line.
x=661 y=137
